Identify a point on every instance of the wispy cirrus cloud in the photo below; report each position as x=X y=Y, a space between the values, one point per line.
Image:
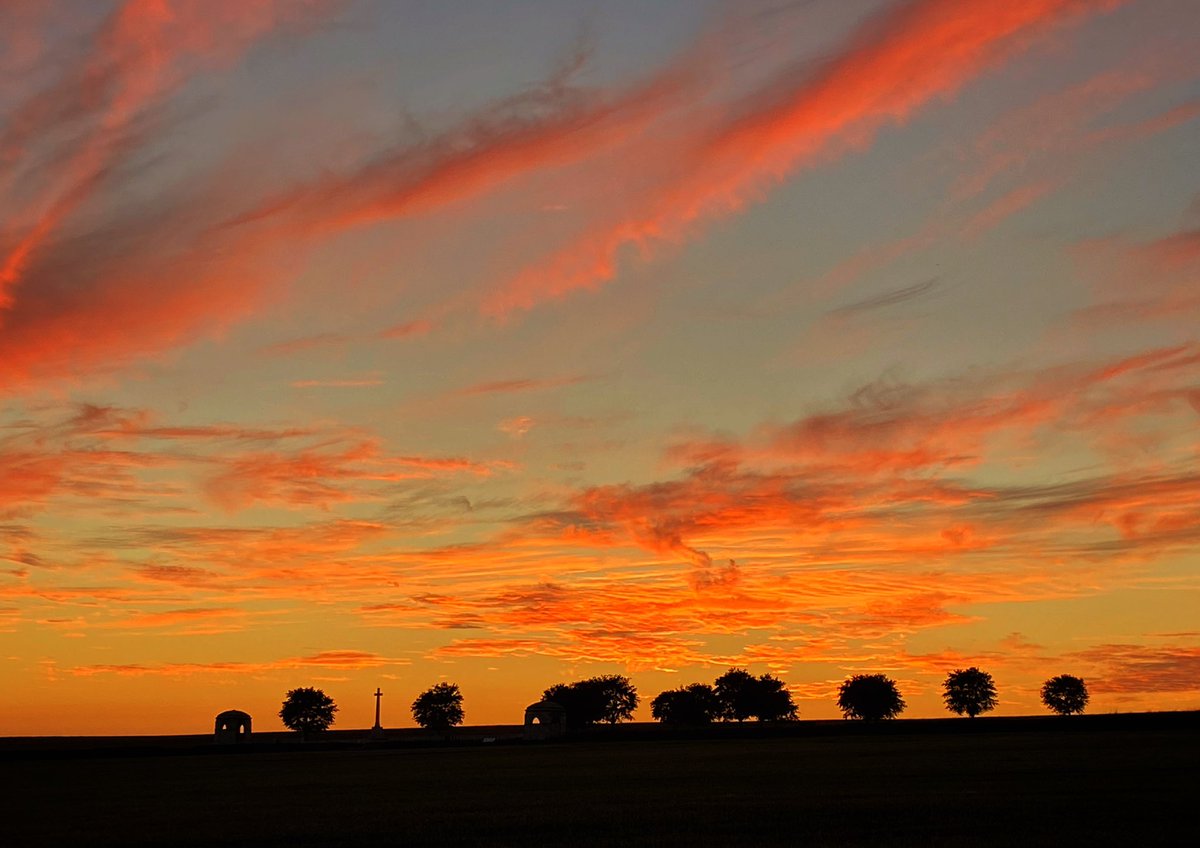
x=187 y=621
x=405 y=330
x=1136 y=668
x=339 y=471
x=260 y=243
x=141 y=52
x=894 y=297
x=338 y=659
x=1151 y=280
x=544 y=127
x=343 y=383
x=893 y=65
x=523 y=384
x=226 y=253
x=864 y=523
x=307 y=343
x=1048 y=137
x=78 y=286
x=99 y=456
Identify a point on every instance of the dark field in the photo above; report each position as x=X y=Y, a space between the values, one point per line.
x=1070 y=783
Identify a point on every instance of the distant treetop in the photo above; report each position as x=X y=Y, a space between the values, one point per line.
x=609 y=698
x=969 y=691
x=869 y=697
x=696 y=703
x=1065 y=694
x=307 y=710
x=439 y=707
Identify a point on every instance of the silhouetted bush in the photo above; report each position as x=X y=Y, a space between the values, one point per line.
x=610 y=698
x=439 y=707
x=694 y=704
x=307 y=710
x=969 y=691
x=870 y=697
x=1065 y=694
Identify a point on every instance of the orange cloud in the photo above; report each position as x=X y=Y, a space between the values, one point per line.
x=195 y=619
x=27 y=478
x=325 y=659
x=107 y=458
x=1126 y=668
x=871 y=484
x=862 y=521
x=630 y=650
x=327 y=474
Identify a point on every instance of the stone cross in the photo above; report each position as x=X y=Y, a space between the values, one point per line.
x=378 y=695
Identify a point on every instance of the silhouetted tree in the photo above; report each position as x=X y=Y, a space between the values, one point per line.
x=620 y=698
x=307 y=710
x=694 y=704
x=1065 y=694
x=573 y=699
x=772 y=700
x=743 y=696
x=439 y=707
x=736 y=691
x=970 y=691
x=611 y=698
x=869 y=697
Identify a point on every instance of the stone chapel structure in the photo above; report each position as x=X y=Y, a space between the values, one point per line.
x=232 y=727
x=545 y=720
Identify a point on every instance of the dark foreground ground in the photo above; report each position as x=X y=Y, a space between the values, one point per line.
x=1071 y=783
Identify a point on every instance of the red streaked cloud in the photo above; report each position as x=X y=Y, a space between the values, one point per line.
x=1060 y=121
x=1009 y=204
x=141 y=53
x=227 y=263
x=1152 y=282
x=520 y=385
x=294 y=346
x=291 y=347
x=347 y=383
x=407 y=329
x=543 y=128
x=893 y=66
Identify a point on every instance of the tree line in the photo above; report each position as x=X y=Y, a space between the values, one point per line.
x=737 y=695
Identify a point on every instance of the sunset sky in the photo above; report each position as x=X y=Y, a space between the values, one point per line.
x=384 y=342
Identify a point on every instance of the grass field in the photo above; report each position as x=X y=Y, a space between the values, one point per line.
x=1068 y=785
